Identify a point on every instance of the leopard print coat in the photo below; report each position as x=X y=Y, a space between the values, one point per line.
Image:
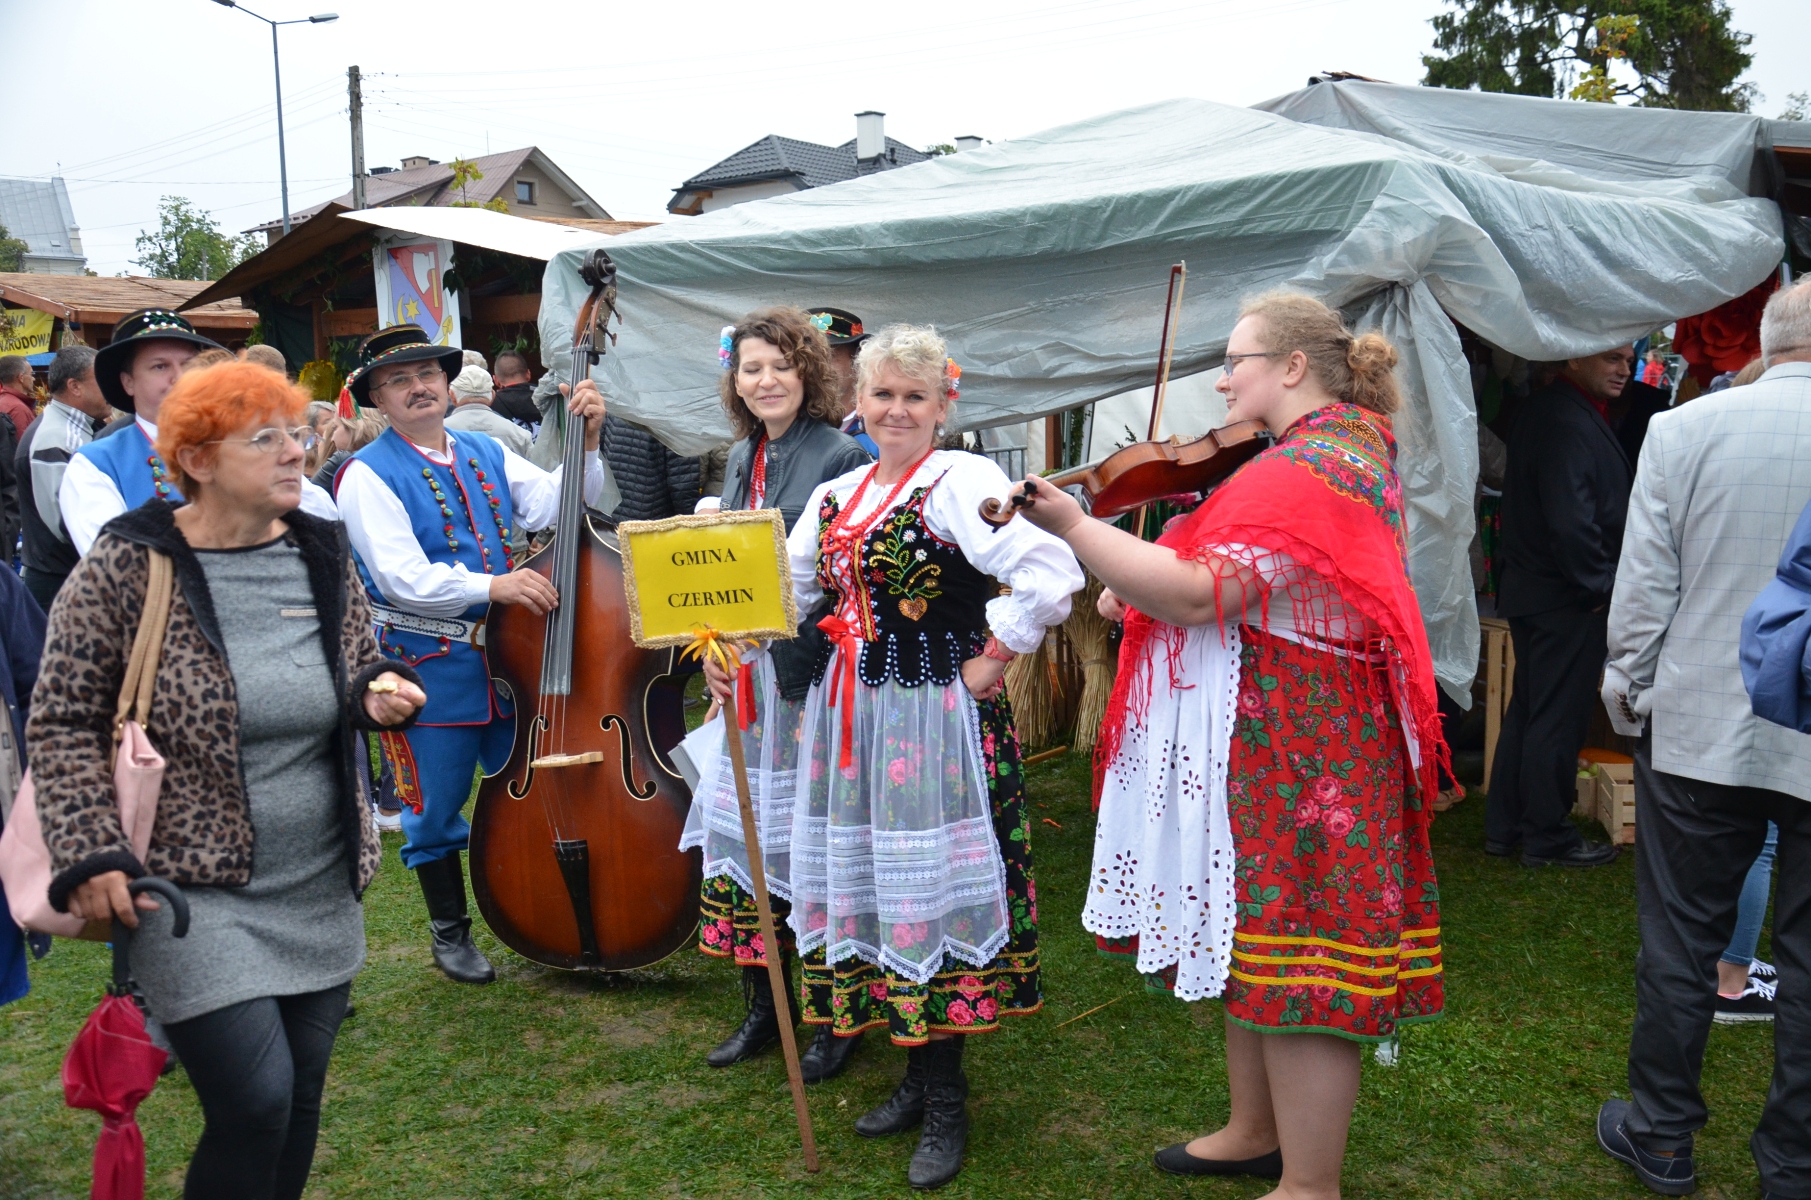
x=203 y=834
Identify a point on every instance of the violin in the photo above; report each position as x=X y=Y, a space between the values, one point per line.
x=575 y=857
x=1147 y=471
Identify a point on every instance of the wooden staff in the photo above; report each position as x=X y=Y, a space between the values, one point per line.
x=776 y=975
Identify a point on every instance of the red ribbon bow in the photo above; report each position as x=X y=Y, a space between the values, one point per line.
x=842 y=679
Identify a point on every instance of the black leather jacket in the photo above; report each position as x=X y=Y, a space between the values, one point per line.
x=805 y=455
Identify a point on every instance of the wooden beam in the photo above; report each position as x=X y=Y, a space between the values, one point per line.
x=506 y=310
x=320 y=330
x=350 y=322
x=1053 y=442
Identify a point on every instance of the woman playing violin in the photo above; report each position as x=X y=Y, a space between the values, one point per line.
x=911 y=883
x=1268 y=756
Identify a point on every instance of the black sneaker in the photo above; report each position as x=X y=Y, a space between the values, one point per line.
x=1585 y=854
x=1668 y=1172
x=1754 y=1004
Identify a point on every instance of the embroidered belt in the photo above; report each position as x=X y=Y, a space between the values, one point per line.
x=453 y=629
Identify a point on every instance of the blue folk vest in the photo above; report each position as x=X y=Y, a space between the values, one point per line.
x=458 y=514
x=126 y=458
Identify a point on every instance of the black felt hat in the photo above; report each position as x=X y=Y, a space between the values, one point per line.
x=133 y=329
x=844 y=327
x=398 y=344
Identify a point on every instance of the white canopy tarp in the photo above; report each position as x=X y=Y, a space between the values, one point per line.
x=478 y=227
x=1043 y=261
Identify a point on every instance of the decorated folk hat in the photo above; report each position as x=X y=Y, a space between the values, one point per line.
x=132 y=331
x=398 y=344
x=841 y=327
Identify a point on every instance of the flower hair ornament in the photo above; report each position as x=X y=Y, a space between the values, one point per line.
x=952 y=378
x=726 y=346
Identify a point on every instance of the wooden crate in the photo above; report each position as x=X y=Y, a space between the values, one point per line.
x=1499 y=684
x=1586 y=804
x=1616 y=801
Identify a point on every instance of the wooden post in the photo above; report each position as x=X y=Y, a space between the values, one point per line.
x=776 y=974
x=1053 y=442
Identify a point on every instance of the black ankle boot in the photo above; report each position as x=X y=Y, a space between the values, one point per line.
x=761 y=1028
x=827 y=1055
x=938 y=1158
x=905 y=1107
x=443 y=887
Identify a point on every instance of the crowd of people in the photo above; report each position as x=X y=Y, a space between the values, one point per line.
x=1269 y=763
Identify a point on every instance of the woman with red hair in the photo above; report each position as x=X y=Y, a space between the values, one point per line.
x=268 y=670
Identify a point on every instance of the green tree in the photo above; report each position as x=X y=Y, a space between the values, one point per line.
x=12 y=251
x=466 y=173
x=1682 y=53
x=189 y=244
x=1798 y=108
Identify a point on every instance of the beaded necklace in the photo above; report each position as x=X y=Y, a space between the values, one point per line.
x=757 y=474
x=841 y=535
x=496 y=512
x=159 y=478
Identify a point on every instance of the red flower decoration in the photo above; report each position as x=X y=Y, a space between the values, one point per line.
x=1727 y=338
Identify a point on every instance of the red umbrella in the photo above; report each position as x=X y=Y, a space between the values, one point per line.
x=112 y=1065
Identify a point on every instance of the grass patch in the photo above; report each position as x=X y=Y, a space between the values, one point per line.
x=548 y=1084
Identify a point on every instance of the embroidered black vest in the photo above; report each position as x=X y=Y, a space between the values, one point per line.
x=921 y=605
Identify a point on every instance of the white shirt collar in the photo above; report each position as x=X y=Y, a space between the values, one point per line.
x=150 y=429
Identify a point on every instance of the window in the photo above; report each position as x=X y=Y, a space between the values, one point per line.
x=524 y=191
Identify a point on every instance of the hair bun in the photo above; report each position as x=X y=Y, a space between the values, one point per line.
x=1371 y=352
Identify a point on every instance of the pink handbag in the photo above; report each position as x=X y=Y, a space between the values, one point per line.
x=137 y=775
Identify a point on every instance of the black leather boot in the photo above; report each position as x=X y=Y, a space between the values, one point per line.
x=827 y=1055
x=905 y=1107
x=761 y=1028
x=443 y=887
x=938 y=1158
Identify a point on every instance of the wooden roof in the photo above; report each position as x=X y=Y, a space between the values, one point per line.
x=103 y=300
x=612 y=228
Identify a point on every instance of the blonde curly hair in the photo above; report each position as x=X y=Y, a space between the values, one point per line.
x=915 y=351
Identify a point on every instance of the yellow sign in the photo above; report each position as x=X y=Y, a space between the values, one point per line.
x=725 y=571
x=26 y=331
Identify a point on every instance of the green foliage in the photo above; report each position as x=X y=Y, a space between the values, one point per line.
x=940 y=149
x=1798 y=107
x=189 y=244
x=1683 y=53
x=12 y=251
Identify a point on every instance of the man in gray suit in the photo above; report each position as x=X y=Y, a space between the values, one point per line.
x=1720 y=484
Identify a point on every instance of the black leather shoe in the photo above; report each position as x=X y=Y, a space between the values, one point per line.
x=1668 y=1172
x=827 y=1056
x=944 y=1138
x=759 y=1030
x=904 y=1109
x=1585 y=854
x=1178 y=1161
x=443 y=887
x=1502 y=849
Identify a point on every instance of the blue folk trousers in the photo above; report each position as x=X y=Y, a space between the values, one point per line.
x=446 y=759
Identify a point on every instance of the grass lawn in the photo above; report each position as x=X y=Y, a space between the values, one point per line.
x=550 y=1084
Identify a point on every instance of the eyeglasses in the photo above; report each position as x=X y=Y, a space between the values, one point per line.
x=399 y=385
x=269 y=441
x=1232 y=360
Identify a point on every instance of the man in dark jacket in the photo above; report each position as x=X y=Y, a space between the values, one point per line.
x=654 y=482
x=515 y=390
x=1564 y=503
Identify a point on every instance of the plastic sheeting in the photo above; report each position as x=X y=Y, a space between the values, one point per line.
x=1044 y=260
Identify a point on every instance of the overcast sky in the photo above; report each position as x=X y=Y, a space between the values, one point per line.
x=133 y=101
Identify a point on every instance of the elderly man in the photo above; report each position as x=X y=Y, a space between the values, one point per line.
x=121 y=470
x=16 y=398
x=68 y=423
x=472 y=412
x=1564 y=502
x=430 y=514
x=1720 y=483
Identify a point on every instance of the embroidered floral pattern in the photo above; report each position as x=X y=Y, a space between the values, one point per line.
x=898 y=558
x=729 y=927
x=1347 y=453
x=854 y=996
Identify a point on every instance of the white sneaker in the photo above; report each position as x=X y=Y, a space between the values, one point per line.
x=388 y=824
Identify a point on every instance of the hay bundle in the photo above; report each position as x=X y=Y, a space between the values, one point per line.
x=1091 y=636
x=1031 y=685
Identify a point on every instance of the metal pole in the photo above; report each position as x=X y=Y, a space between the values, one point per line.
x=356 y=103
x=282 y=153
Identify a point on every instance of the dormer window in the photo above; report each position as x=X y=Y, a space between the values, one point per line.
x=524 y=191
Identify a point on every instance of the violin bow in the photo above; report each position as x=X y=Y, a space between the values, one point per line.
x=1166 y=345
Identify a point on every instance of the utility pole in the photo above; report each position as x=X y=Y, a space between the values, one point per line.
x=356 y=105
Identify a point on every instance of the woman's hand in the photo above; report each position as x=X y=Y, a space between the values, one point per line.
x=984 y=677
x=104 y=897
x=396 y=702
x=1051 y=509
x=586 y=402
x=721 y=681
x=1110 y=606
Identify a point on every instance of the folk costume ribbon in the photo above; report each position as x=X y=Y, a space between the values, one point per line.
x=710 y=644
x=847 y=639
x=1326 y=497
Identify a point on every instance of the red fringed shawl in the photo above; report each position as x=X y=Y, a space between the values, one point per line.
x=1326 y=496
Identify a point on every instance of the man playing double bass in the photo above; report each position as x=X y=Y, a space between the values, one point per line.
x=430 y=513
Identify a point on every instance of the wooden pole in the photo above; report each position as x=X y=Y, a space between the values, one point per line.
x=776 y=974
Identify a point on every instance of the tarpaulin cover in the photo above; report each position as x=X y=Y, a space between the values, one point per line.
x=1044 y=261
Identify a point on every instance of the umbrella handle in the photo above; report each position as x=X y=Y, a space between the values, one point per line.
x=179 y=927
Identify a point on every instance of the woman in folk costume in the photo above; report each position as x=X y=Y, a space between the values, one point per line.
x=1269 y=754
x=781 y=391
x=912 y=892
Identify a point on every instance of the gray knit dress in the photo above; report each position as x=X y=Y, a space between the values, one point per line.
x=296 y=927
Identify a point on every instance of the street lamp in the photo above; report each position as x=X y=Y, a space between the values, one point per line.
x=282 y=154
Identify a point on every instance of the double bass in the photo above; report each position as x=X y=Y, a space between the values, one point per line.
x=574 y=847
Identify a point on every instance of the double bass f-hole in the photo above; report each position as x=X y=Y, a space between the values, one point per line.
x=518 y=790
x=612 y=721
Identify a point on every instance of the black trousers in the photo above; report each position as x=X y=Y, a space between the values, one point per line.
x=1694 y=843
x=43 y=585
x=1559 y=659
x=258 y=1068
